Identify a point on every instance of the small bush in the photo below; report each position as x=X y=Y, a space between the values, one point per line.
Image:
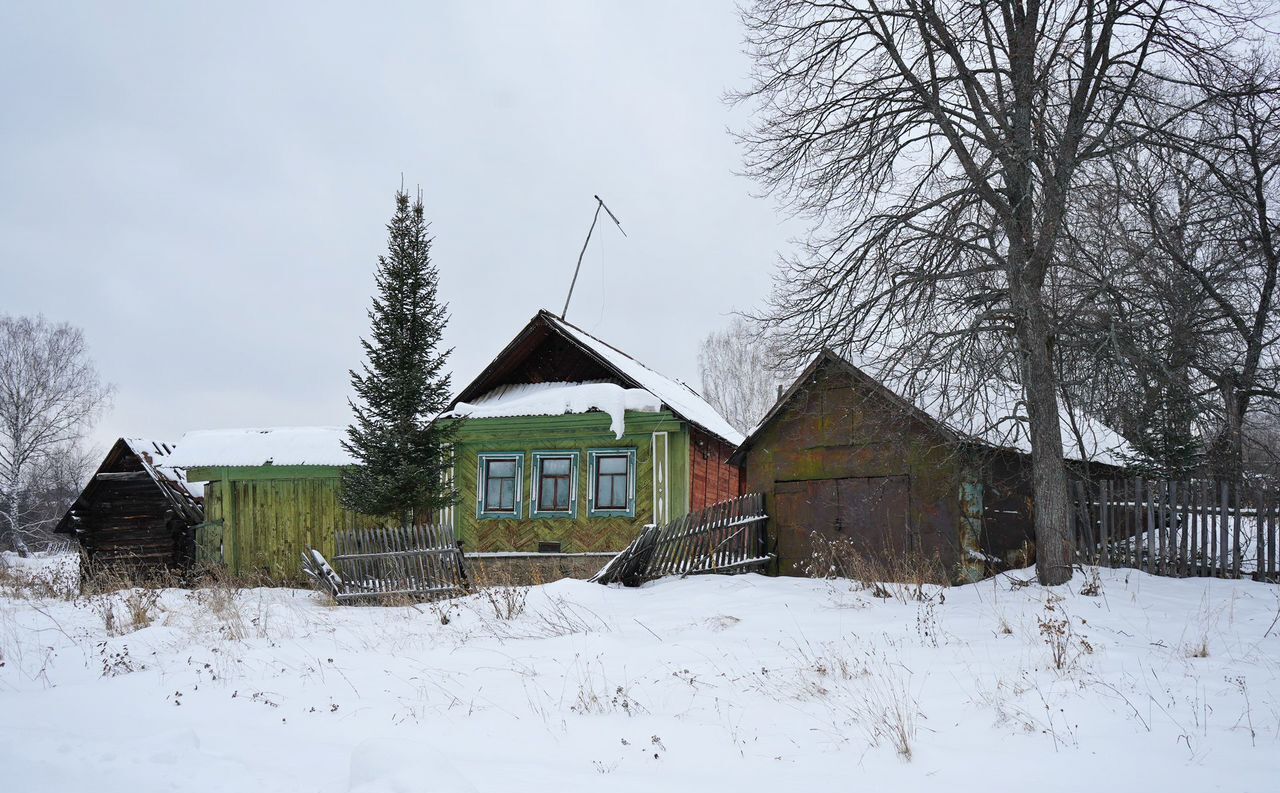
x=1065 y=645
x=906 y=577
x=496 y=585
x=52 y=582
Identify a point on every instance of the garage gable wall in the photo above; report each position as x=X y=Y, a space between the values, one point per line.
x=843 y=459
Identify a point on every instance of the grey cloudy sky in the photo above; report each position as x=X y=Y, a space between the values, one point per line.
x=204 y=187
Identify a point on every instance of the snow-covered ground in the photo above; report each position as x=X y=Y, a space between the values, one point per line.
x=706 y=684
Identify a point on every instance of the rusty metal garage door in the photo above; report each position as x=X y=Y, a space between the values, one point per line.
x=870 y=511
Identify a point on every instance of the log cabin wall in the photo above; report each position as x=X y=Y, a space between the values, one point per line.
x=130 y=523
x=712 y=478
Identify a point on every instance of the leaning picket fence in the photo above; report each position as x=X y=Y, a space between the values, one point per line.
x=1179 y=528
x=381 y=564
x=728 y=537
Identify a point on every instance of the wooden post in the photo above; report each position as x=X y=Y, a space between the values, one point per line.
x=1237 y=550
x=1224 y=547
x=1151 y=527
x=1184 y=531
x=1162 y=528
x=1139 y=521
x=1273 y=512
x=1206 y=556
x=1104 y=518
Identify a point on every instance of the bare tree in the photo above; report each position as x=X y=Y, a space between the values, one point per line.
x=1238 y=149
x=50 y=395
x=739 y=378
x=1173 y=266
x=1134 y=330
x=936 y=147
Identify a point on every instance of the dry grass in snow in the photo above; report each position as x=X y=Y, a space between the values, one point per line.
x=743 y=683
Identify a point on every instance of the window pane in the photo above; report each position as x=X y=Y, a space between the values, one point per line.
x=556 y=466
x=611 y=492
x=493 y=495
x=553 y=494
x=611 y=465
x=508 y=497
x=608 y=498
x=502 y=468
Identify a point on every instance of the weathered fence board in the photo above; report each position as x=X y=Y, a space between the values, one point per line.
x=1180 y=529
x=728 y=537
x=379 y=563
x=208 y=542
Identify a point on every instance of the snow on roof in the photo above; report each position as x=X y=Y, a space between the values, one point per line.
x=554 y=399
x=261 y=446
x=995 y=414
x=155 y=459
x=676 y=395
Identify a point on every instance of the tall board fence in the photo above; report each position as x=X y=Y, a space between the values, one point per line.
x=1179 y=528
x=728 y=537
x=390 y=563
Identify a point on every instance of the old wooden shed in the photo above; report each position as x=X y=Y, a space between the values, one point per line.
x=134 y=512
x=896 y=473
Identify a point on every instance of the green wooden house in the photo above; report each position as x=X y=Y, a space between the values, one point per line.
x=571 y=446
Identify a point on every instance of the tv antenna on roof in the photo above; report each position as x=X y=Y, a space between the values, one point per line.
x=599 y=205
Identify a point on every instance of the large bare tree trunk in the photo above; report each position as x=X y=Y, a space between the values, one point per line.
x=1049 y=474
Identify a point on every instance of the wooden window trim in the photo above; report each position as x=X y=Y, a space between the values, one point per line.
x=482 y=486
x=535 y=496
x=593 y=478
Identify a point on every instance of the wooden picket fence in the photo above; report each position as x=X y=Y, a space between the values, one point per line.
x=1182 y=529
x=728 y=537
x=390 y=563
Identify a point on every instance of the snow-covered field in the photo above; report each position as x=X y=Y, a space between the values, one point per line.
x=706 y=684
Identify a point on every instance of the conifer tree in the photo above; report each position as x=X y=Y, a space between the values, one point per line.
x=404 y=455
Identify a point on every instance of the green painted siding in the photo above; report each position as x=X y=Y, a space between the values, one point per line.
x=576 y=432
x=270 y=521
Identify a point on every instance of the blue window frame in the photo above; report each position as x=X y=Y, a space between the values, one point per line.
x=554 y=485
x=500 y=485
x=611 y=483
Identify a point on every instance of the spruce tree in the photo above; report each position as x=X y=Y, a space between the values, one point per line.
x=404 y=455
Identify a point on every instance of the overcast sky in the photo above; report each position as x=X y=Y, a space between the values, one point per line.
x=204 y=189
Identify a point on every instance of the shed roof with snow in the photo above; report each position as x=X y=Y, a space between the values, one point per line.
x=262 y=446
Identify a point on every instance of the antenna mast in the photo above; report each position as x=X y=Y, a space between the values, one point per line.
x=599 y=205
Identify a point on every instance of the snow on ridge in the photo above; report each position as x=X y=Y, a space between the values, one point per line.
x=261 y=446
x=995 y=414
x=676 y=395
x=555 y=399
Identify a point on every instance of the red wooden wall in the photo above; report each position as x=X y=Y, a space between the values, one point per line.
x=711 y=477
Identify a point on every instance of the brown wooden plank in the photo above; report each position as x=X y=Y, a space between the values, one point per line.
x=1237 y=549
x=1224 y=537
x=1184 y=518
